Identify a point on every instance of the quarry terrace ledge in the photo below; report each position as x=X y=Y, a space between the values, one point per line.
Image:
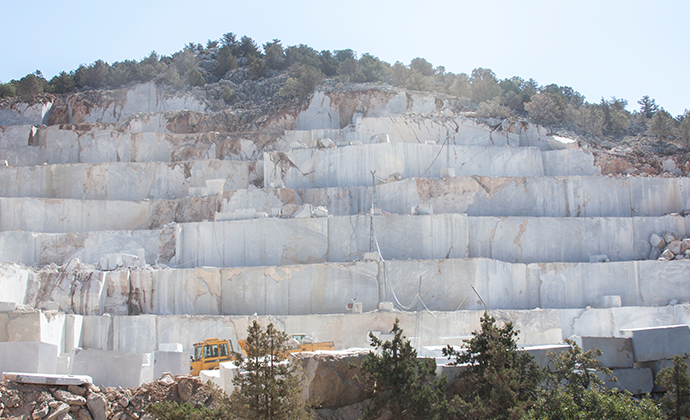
x=277 y=242
x=444 y=285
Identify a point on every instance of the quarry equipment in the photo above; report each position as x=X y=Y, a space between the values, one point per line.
x=209 y=353
x=298 y=342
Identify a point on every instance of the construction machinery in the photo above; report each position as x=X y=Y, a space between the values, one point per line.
x=210 y=353
x=298 y=342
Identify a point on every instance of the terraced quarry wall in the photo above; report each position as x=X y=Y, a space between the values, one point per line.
x=133 y=219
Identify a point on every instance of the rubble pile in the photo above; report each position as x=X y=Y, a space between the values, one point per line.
x=669 y=247
x=91 y=402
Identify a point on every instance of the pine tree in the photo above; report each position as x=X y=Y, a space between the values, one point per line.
x=500 y=382
x=675 y=380
x=403 y=383
x=270 y=388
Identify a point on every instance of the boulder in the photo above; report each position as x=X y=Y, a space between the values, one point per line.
x=289 y=210
x=320 y=211
x=185 y=389
x=670 y=237
x=326 y=142
x=84 y=414
x=304 y=212
x=96 y=404
x=657 y=241
x=57 y=409
x=77 y=390
x=685 y=245
x=329 y=378
x=674 y=247
x=68 y=397
x=41 y=411
x=668 y=255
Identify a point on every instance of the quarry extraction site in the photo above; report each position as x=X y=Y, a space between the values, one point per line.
x=138 y=221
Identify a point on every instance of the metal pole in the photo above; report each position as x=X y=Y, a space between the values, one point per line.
x=371 y=211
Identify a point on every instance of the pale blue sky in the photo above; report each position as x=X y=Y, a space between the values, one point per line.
x=601 y=48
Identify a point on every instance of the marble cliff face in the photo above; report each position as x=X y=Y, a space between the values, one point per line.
x=145 y=216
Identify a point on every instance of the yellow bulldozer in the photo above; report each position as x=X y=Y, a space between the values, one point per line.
x=209 y=353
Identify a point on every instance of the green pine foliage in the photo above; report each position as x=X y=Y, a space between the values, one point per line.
x=30 y=85
x=225 y=61
x=193 y=77
x=675 y=380
x=605 y=404
x=302 y=81
x=573 y=389
x=228 y=95
x=403 y=383
x=481 y=90
x=8 y=90
x=499 y=382
x=271 y=387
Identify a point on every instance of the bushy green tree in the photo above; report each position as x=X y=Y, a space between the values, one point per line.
x=616 y=118
x=248 y=47
x=122 y=73
x=675 y=380
x=403 y=383
x=373 y=69
x=271 y=387
x=483 y=85
x=576 y=369
x=499 y=381
x=225 y=61
x=184 y=60
x=302 y=81
x=589 y=117
x=257 y=67
x=193 y=77
x=170 y=77
x=661 y=125
x=494 y=109
x=229 y=39
x=94 y=76
x=543 y=109
x=421 y=65
x=605 y=404
x=8 y=90
x=62 y=83
x=351 y=71
x=275 y=56
x=329 y=64
x=460 y=86
x=648 y=106
x=228 y=95
x=30 y=85
x=574 y=390
x=342 y=55
x=512 y=96
x=683 y=128
x=303 y=55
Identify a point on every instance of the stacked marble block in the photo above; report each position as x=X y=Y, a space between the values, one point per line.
x=177 y=225
x=634 y=359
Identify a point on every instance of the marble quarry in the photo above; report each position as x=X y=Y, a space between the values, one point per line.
x=137 y=224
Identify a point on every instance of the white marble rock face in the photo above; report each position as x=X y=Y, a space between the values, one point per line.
x=131 y=231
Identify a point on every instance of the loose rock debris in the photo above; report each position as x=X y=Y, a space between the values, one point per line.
x=20 y=401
